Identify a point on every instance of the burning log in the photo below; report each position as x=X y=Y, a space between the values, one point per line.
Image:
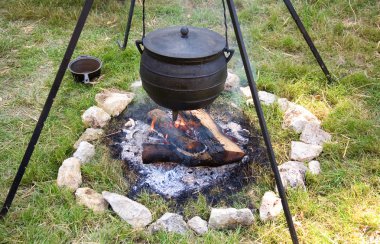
x=209 y=148
x=154 y=153
x=231 y=152
x=162 y=123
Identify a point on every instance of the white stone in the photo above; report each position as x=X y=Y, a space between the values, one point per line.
x=69 y=174
x=270 y=207
x=85 y=152
x=95 y=117
x=227 y=218
x=169 y=222
x=296 y=117
x=246 y=91
x=314 y=167
x=130 y=124
x=313 y=134
x=267 y=98
x=136 y=84
x=283 y=104
x=293 y=174
x=304 y=152
x=232 y=82
x=114 y=102
x=134 y=213
x=91 y=199
x=89 y=135
x=249 y=102
x=198 y=225
x=293 y=165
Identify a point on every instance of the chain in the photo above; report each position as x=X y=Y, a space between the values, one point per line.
x=225 y=23
x=224 y=15
x=143 y=35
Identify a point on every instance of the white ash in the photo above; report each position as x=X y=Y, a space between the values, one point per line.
x=169 y=179
x=235 y=130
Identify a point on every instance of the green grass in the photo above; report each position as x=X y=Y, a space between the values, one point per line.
x=341 y=205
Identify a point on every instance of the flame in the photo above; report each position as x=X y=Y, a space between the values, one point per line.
x=180 y=123
x=152 y=124
x=190 y=146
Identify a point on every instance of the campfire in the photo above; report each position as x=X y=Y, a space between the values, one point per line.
x=192 y=140
x=200 y=150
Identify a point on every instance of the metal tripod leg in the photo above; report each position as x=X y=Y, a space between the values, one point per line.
x=128 y=27
x=259 y=111
x=46 y=109
x=308 y=40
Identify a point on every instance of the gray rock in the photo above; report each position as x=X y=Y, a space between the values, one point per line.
x=283 y=104
x=267 y=98
x=169 y=222
x=198 y=225
x=69 y=174
x=246 y=91
x=89 y=135
x=228 y=218
x=95 y=117
x=134 y=213
x=293 y=174
x=304 y=152
x=91 y=199
x=232 y=82
x=296 y=117
x=85 y=152
x=314 y=167
x=313 y=134
x=270 y=207
x=293 y=165
x=114 y=101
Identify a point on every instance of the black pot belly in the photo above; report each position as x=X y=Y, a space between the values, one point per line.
x=183 y=85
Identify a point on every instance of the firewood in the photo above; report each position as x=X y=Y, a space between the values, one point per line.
x=210 y=148
x=164 y=124
x=232 y=152
x=156 y=153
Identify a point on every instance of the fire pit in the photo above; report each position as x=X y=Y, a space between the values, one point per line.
x=200 y=151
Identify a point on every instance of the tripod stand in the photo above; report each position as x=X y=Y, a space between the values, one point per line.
x=64 y=63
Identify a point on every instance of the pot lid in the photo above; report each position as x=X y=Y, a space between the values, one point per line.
x=184 y=42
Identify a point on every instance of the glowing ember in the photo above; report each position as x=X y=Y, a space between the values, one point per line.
x=152 y=124
x=180 y=122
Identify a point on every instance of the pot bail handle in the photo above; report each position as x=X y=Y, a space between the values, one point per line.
x=230 y=53
x=139 y=44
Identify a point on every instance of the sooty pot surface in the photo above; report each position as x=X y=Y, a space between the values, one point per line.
x=183 y=68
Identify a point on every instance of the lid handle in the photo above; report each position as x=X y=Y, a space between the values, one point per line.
x=184 y=32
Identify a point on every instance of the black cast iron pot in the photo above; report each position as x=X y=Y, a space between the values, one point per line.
x=183 y=68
